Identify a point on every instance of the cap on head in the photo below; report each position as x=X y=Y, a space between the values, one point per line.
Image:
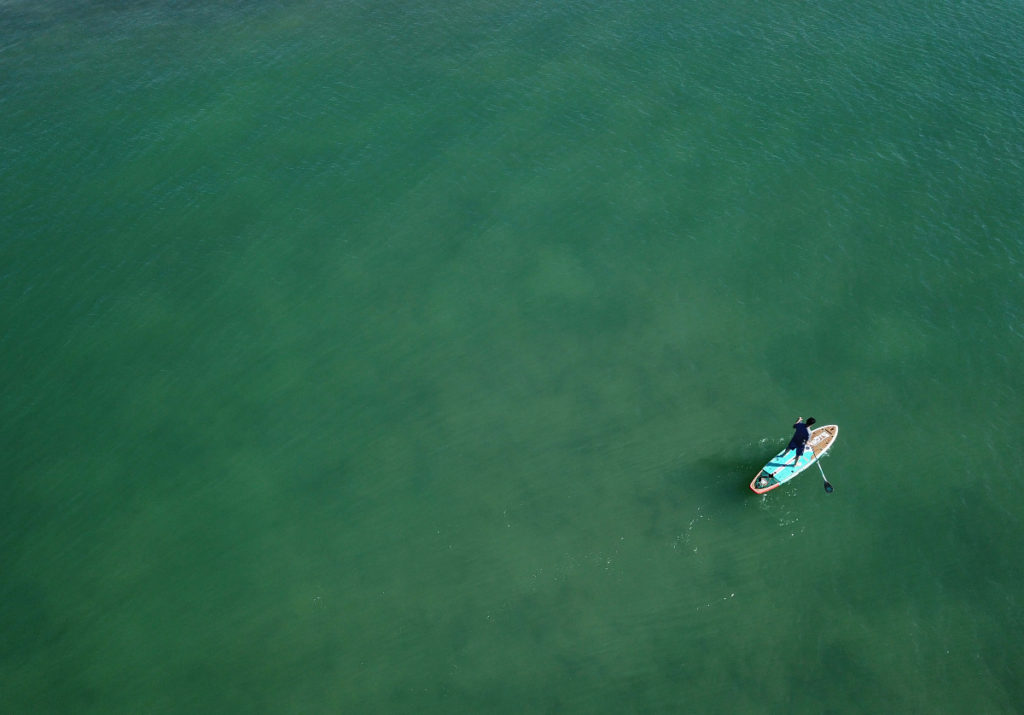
x=810 y=421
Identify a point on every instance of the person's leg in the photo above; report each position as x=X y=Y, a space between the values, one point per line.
x=799 y=453
x=792 y=445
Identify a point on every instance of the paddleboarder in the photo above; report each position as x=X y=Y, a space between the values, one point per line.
x=800 y=436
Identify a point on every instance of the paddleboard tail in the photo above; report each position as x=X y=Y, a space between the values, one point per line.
x=764 y=482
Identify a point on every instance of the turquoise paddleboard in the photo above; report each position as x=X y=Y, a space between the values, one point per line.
x=780 y=469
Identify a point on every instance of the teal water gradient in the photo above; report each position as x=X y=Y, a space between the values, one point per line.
x=405 y=357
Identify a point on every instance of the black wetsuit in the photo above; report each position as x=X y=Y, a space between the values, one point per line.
x=800 y=438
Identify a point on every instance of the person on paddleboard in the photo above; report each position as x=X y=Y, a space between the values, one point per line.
x=800 y=436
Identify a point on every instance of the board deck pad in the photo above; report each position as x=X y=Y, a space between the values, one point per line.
x=780 y=468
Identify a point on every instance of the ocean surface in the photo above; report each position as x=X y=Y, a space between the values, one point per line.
x=386 y=356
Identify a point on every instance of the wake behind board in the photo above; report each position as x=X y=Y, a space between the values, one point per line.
x=780 y=469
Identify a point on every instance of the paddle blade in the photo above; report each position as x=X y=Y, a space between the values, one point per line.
x=828 y=488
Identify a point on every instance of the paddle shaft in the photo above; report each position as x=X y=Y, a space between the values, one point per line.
x=828 y=487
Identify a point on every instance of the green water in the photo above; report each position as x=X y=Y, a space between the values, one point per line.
x=414 y=357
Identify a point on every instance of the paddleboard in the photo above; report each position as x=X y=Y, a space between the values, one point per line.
x=780 y=469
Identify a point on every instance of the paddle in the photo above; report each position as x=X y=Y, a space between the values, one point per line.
x=828 y=487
